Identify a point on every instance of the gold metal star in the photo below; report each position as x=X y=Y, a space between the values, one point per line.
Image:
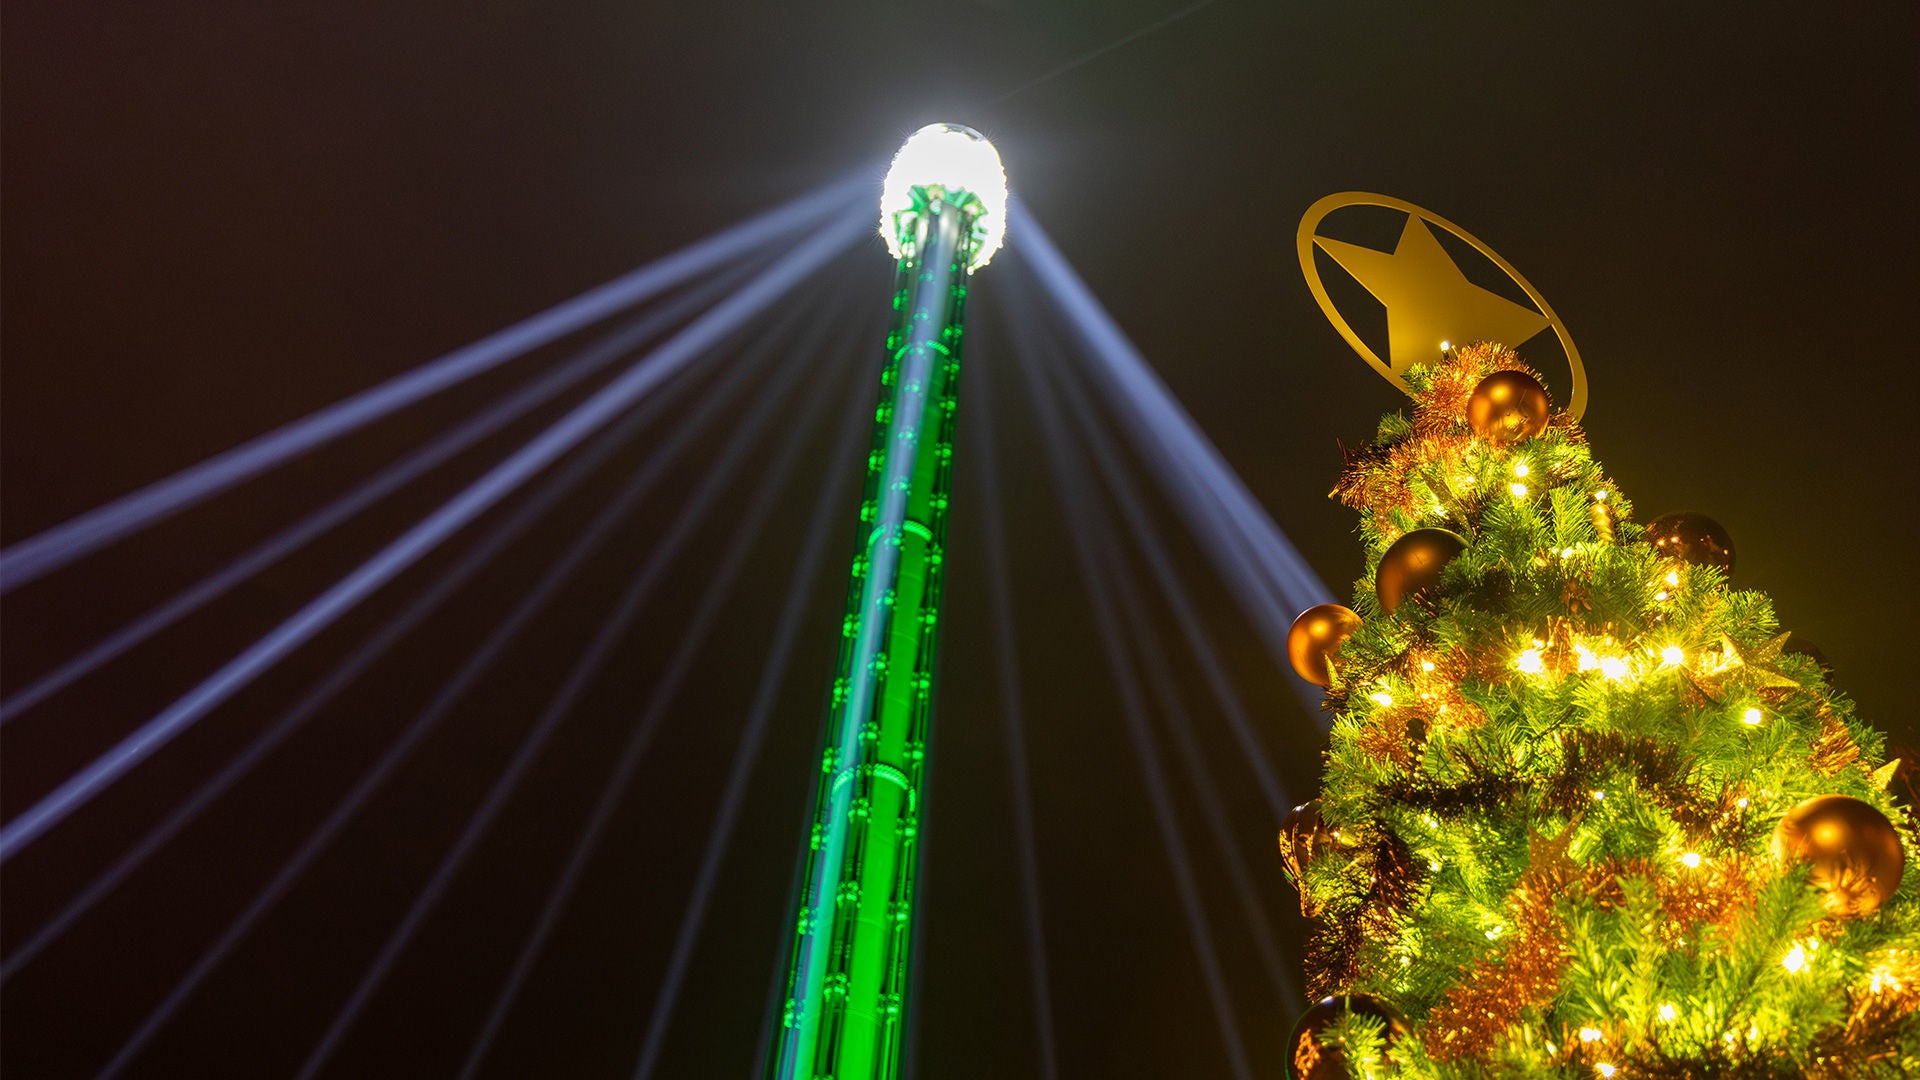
x=1428 y=300
x=1755 y=669
x=1883 y=776
x=1546 y=853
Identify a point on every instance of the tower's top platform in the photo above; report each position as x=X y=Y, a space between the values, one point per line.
x=951 y=164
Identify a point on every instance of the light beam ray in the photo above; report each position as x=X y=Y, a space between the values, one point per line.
x=498 y=538
x=47 y=551
x=1107 y=462
x=1189 y=468
x=771 y=1002
x=1007 y=669
x=1106 y=459
x=1160 y=564
x=747 y=750
x=711 y=329
x=1168 y=436
x=1217 y=503
x=477 y=664
x=1080 y=515
x=1191 y=472
x=1179 y=724
x=659 y=559
x=1097 y=52
x=611 y=794
x=422 y=461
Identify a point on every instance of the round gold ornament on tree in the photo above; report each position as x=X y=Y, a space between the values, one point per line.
x=1412 y=566
x=1309 y=1059
x=1855 y=851
x=1695 y=539
x=1801 y=646
x=1304 y=835
x=1507 y=407
x=1313 y=641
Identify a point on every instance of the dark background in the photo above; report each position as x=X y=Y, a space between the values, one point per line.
x=219 y=218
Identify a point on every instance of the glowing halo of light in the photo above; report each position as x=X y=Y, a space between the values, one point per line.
x=954 y=160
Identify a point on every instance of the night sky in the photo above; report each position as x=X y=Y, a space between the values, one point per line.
x=219 y=220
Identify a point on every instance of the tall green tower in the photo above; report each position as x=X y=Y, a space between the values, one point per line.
x=942 y=211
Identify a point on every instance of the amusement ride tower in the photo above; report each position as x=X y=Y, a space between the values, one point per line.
x=943 y=211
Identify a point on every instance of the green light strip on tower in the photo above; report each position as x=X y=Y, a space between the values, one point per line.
x=844 y=1016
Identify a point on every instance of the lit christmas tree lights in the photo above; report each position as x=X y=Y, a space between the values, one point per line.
x=1584 y=812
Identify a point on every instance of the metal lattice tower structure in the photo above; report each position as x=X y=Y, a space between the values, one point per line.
x=844 y=1015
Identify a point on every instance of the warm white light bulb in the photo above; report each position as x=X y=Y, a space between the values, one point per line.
x=1751 y=716
x=956 y=160
x=1795 y=960
x=1530 y=662
x=1673 y=654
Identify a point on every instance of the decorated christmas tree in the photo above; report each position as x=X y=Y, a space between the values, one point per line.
x=1586 y=810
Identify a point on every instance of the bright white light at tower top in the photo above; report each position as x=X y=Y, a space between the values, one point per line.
x=964 y=167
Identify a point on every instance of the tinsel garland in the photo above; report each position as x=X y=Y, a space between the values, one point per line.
x=1660 y=770
x=1494 y=990
x=1877 y=1016
x=1393 y=734
x=1375 y=478
x=1714 y=895
x=1334 y=945
x=1833 y=748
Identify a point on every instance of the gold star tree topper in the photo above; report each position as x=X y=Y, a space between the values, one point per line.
x=1430 y=303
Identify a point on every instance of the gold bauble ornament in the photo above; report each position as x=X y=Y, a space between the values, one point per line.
x=1507 y=407
x=1855 y=851
x=1303 y=835
x=1308 y=1060
x=1412 y=566
x=1693 y=538
x=1313 y=641
x=1802 y=647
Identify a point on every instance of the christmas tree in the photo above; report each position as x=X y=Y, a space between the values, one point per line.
x=1586 y=810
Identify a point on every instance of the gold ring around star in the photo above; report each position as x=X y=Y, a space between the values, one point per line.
x=1576 y=401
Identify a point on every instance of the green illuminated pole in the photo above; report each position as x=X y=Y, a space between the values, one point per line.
x=844 y=1016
